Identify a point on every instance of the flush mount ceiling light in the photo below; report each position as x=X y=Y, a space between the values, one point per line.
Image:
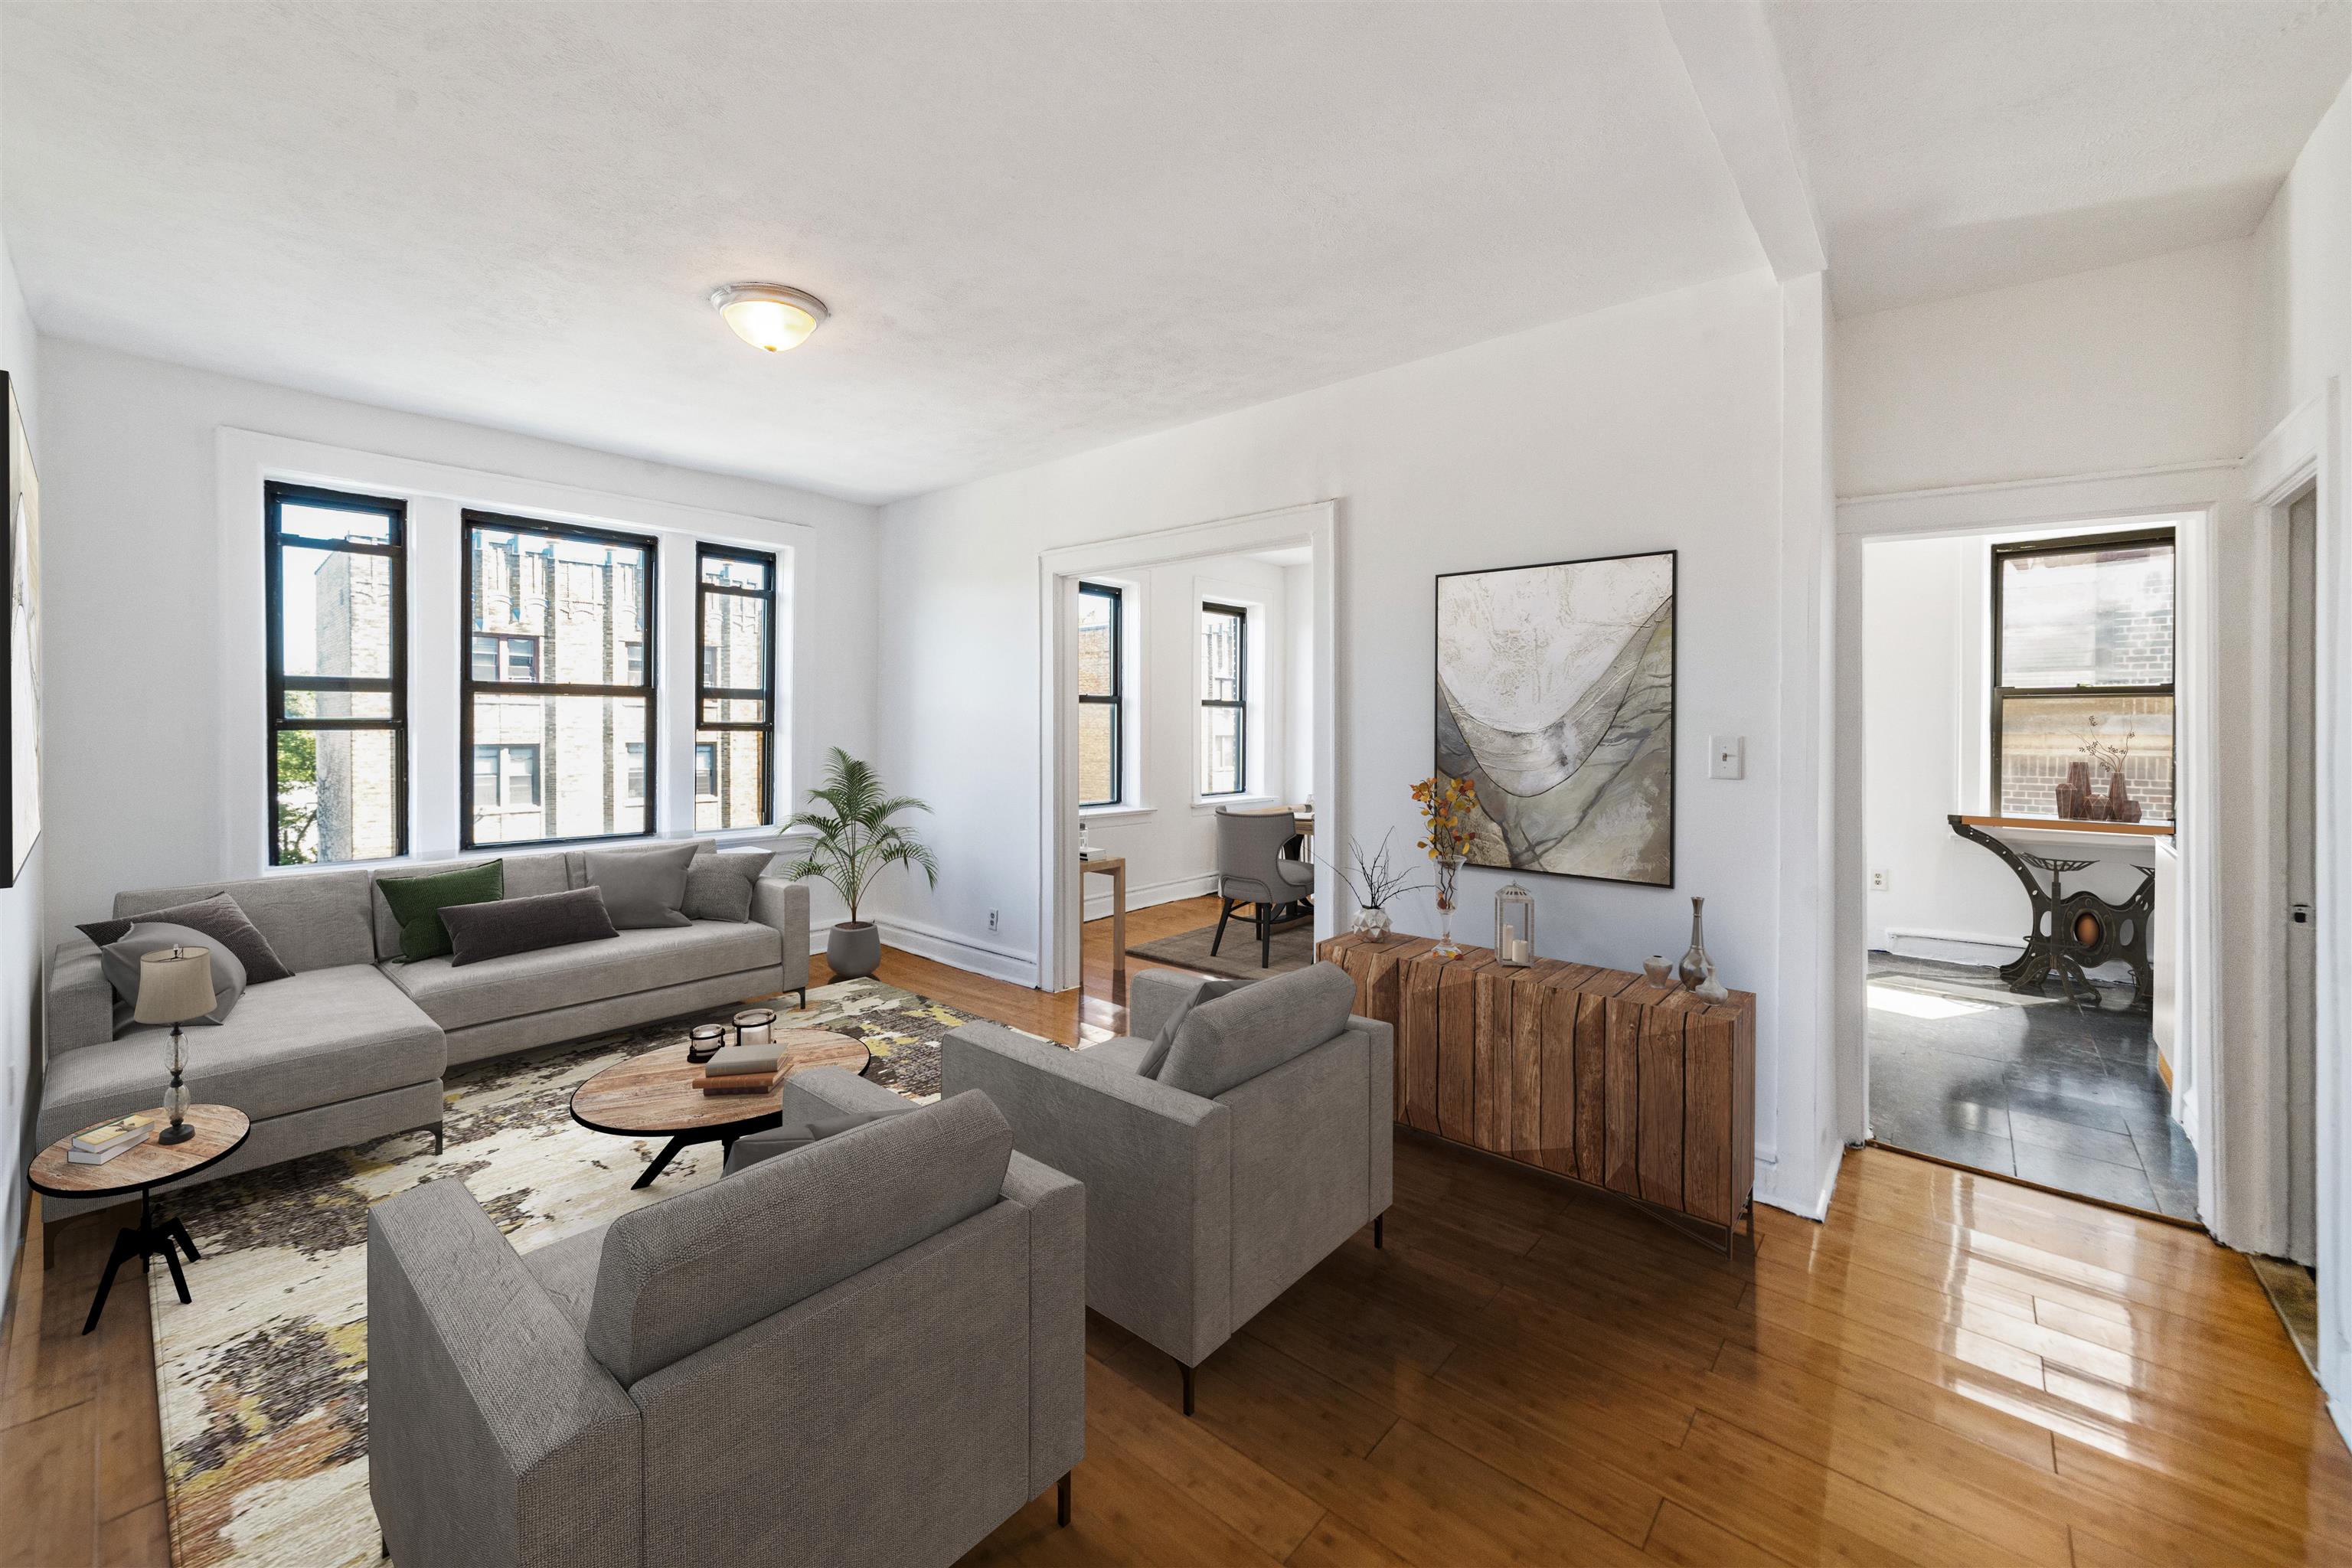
x=769 y=315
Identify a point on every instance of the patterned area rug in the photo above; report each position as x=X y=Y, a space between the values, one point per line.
x=262 y=1382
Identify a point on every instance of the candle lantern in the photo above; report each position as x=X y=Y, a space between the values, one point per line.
x=704 y=1041
x=1515 y=926
x=753 y=1028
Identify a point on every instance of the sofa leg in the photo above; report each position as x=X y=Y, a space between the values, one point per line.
x=1187 y=1386
x=383 y=1547
x=1266 y=936
x=438 y=1136
x=1062 y=1499
x=1377 y=1218
x=1226 y=907
x=804 y=1006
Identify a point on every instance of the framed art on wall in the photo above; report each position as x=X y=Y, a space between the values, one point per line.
x=21 y=685
x=1555 y=697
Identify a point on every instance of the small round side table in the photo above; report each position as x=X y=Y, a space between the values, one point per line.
x=221 y=1131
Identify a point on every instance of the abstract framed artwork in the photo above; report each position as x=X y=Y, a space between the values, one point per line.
x=21 y=687
x=1556 y=697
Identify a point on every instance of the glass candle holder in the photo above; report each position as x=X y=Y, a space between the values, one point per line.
x=755 y=1027
x=704 y=1041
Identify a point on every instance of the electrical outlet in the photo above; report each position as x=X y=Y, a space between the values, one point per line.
x=1727 y=756
x=1878 y=881
x=991 y=920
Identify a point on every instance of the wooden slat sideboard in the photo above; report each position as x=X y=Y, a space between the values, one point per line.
x=1589 y=1073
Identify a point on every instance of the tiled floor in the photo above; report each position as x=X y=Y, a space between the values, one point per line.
x=2025 y=1085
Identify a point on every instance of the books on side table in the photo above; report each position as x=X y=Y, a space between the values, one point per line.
x=741 y=1069
x=96 y=1145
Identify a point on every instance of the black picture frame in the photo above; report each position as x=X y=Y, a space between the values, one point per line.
x=1674 y=700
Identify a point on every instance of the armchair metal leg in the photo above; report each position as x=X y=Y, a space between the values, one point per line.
x=1266 y=936
x=1377 y=1218
x=1187 y=1386
x=1226 y=909
x=1062 y=1499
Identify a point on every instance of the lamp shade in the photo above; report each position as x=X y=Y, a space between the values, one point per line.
x=175 y=985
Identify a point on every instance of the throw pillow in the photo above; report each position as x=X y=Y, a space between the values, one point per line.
x=120 y=961
x=719 y=887
x=416 y=902
x=644 y=889
x=218 y=917
x=504 y=927
x=1157 y=1057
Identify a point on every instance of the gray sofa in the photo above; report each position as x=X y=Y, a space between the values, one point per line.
x=353 y=1048
x=1263 y=1142
x=871 y=1351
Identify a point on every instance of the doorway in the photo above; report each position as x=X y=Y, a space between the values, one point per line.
x=2021 y=931
x=1256 y=733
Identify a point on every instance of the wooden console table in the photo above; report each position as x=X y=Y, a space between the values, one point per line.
x=1589 y=1073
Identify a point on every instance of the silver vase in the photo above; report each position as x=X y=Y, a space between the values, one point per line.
x=1695 y=966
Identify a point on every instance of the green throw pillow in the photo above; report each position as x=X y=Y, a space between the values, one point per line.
x=416 y=902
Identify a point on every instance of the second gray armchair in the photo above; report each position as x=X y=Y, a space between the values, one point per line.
x=1262 y=1143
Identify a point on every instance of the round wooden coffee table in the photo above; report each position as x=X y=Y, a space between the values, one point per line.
x=221 y=1131
x=654 y=1095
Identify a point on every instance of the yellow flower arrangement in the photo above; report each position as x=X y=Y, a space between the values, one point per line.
x=1446 y=808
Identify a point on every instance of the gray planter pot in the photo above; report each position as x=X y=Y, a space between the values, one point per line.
x=853 y=949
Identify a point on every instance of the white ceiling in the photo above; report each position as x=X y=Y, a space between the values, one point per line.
x=1039 y=228
x=1957 y=147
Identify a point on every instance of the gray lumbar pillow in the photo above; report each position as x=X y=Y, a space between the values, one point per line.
x=501 y=927
x=119 y=961
x=1157 y=1057
x=642 y=888
x=719 y=887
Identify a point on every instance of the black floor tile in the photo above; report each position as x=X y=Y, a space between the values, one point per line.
x=2092 y=1178
x=2065 y=1095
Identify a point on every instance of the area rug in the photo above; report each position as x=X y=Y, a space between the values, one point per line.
x=1294 y=948
x=262 y=1382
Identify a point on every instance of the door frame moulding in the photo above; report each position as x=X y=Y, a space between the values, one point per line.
x=1060 y=901
x=2203 y=500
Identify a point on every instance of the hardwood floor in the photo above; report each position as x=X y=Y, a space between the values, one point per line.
x=1952 y=1371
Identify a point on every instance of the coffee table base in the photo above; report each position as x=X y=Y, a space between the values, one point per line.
x=681 y=1142
x=143 y=1241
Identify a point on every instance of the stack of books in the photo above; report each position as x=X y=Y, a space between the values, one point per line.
x=741 y=1069
x=96 y=1145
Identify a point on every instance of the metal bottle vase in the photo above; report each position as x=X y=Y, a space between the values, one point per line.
x=1695 y=966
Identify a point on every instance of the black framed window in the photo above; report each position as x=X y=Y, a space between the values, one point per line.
x=1102 y=695
x=337 y=674
x=2082 y=677
x=551 y=696
x=735 y=685
x=1225 y=700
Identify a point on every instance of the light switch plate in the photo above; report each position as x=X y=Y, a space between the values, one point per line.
x=1727 y=756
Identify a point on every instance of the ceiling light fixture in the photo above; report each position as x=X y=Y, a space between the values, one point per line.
x=769 y=315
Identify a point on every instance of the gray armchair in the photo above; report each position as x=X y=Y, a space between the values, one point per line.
x=1262 y=1143
x=1252 y=869
x=709 y=1379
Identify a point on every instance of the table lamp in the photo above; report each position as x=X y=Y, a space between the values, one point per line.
x=175 y=987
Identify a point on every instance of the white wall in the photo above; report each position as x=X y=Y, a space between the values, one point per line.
x=1298 y=594
x=1166 y=835
x=21 y=921
x=1657 y=425
x=2126 y=367
x=2298 y=327
x=135 y=614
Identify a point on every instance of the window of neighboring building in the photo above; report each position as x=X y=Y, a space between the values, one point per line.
x=633 y=660
x=1225 y=700
x=338 y=676
x=2082 y=675
x=1102 y=695
x=735 y=708
x=553 y=609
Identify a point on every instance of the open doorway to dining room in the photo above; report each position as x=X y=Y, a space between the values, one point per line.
x=2024 y=710
x=1189 y=749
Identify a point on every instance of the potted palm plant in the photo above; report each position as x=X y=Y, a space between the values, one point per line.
x=856 y=842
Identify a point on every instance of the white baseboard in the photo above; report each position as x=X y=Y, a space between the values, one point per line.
x=1954 y=946
x=1009 y=964
x=1814 y=1206
x=1097 y=905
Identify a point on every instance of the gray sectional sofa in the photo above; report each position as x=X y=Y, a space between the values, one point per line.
x=351 y=1046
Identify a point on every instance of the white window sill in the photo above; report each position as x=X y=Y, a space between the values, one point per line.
x=1115 y=813
x=1207 y=806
